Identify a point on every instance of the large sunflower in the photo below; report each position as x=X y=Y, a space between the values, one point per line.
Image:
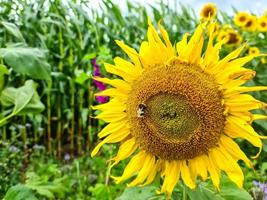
x=176 y=111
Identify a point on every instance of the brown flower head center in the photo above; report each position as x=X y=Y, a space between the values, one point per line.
x=242 y=18
x=172 y=115
x=233 y=38
x=263 y=24
x=208 y=12
x=249 y=24
x=175 y=111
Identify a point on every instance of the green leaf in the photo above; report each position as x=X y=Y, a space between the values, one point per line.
x=139 y=193
x=27 y=61
x=81 y=78
x=202 y=193
x=3 y=70
x=19 y=192
x=8 y=96
x=44 y=186
x=88 y=57
x=24 y=99
x=13 y=29
x=263 y=168
x=228 y=191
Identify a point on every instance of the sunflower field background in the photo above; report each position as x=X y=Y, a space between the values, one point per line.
x=50 y=49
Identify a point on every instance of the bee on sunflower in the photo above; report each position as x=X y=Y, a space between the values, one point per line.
x=176 y=111
x=241 y=18
x=262 y=24
x=208 y=11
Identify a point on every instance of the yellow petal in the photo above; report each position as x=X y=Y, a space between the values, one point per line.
x=220 y=65
x=234 y=150
x=113 y=92
x=223 y=67
x=156 y=46
x=258 y=117
x=181 y=46
x=112 y=127
x=152 y=174
x=166 y=39
x=131 y=53
x=149 y=164
x=185 y=174
x=146 y=55
x=126 y=149
x=109 y=116
x=226 y=163
x=240 y=98
x=123 y=72
x=231 y=74
x=245 y=116
x=113 y=138
x=238 y=90
x=128 y=67
x=117 y=83
x=230 y=83
x=172 y=175
x=113 y=105
x=213 y=171
x=196 y=40
x=212 y=52
x=197 y=167
x=242 y=103
x=133 y=166
x=236 y=127
x=188 y=51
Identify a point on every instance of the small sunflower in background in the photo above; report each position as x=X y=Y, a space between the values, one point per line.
x=253 y=51
x=229 y=36
x=262 y=24
x=176 y=111
x=208 y=11
x=241 y=18
x=234 y=38
x=251 y=24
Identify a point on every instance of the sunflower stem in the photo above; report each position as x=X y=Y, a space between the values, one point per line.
x=184 y=193
x=108 y=172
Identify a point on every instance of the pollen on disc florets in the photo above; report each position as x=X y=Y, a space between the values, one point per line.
x=175 y=111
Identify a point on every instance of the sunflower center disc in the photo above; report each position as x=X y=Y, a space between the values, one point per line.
x=175 y=111
x=172 y=115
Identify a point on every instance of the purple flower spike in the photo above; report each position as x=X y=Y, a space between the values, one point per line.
x=100 y=86
x=262 y=187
